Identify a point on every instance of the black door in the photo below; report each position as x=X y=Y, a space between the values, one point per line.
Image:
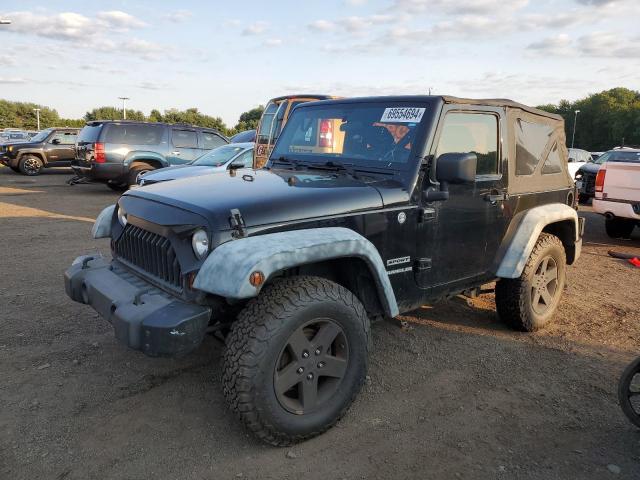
x=461 y=235
x=60 y=148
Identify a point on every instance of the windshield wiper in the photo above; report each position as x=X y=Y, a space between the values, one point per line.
x=336 y=166
x=297 y=164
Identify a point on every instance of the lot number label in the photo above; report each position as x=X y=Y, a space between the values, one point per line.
x=402 y=114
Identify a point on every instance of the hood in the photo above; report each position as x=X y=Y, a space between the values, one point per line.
x=264 y=197
x=179 y=171
x=22 y=144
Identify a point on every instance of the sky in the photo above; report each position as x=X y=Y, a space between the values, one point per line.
x=227 y=57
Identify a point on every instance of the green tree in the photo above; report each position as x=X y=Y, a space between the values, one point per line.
x=606 y=119
x=112 y=113
x=249 y=120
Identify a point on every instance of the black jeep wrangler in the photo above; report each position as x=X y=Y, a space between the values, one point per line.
x=367 y=208
x=52 y=147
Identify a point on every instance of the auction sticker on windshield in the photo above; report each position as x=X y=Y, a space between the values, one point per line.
x=402 y=114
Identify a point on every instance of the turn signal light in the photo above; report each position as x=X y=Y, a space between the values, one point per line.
x=600 y=179
x=256 y=278
x=99 y=155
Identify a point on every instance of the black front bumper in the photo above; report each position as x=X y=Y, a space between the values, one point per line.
x=144 y=317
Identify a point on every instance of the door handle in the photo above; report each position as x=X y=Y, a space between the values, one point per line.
x=495 y=196
x=177 y=154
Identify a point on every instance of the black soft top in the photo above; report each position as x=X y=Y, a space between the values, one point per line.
x=491 y=102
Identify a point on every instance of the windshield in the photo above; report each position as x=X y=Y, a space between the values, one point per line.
x=39 y=137
x=218 y=156
x=618 y=156
x=360 y=134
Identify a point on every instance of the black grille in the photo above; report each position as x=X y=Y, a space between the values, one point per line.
x=589 y=180
x=150 y=252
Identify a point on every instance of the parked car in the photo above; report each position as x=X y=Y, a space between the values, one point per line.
x=585 y=177
x=413 y=199
x=221 y=159
x=617 y=192
x=53 y=147
x=273 y=120
x=244 y=137
x=577 y=158
x=116 y=152
x=13 y=136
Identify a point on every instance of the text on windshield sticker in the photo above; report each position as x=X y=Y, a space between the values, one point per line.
x=402 y=114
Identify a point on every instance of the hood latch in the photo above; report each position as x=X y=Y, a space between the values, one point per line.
x=237 y=224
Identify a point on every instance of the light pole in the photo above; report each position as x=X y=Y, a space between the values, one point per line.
x=575 y=119
x=37 y=110
x=5 y=22
x=124 y=107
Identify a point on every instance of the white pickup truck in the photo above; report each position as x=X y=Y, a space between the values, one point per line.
x=618 y=192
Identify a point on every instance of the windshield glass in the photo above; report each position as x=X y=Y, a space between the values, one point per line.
x=218 y=156
x=41 y=136
x=618 y=156
x=360 y=134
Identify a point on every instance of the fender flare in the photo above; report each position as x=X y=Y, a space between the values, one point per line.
x=32 y=151
x=142 y=156
x=226 y=270
x=102 y=226
x=523 y=234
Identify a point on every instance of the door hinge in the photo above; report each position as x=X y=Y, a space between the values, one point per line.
x=237 y=224
x=422 y=264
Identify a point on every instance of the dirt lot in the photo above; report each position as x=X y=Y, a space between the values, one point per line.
x=457 y=395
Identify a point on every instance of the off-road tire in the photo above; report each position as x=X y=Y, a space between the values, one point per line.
x=624 y=385
x=619 y=227
x=514 y=295
x=30 y=165
x=254 y=346
x=135 y=170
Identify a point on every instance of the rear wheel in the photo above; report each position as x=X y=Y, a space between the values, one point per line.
x=529 y=302
x=629 y=392
x=30 y=165
x=296 y=357
x=137 y=169
x=619 y=227
x=117 y=187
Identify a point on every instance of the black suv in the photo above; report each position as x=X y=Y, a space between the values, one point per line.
x=367 y=208
x=53 y=147
x=116 y=152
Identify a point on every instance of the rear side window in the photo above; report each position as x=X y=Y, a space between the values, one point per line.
x=89 y=134
x=209 y=140
x=472 y=133
x=531 y=142
x=184 y=138
x=553 y=163
x=64 y=138
x=133 y=134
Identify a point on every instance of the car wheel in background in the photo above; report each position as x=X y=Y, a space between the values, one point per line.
x=117 y=187
x=137 y=169
x=619 y=227
x=30 y=165
x=583 y=198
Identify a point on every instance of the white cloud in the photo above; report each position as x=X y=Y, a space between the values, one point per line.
x=556 y=45
x=595 y=44
x=118 y=19
x=179 y=16
x=321 y=25
x=272 y=42
x=256 y=28
x=458 y=6
x=355 y=3
x=12 y=80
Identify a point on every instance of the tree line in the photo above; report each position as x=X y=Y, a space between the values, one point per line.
x=22 y=115
x=606 y=119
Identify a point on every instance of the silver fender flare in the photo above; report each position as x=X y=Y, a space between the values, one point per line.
x=523 y=239
x=226 y=270
x=102 y=226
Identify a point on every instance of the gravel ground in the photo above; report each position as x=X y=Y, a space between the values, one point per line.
x=454 y=395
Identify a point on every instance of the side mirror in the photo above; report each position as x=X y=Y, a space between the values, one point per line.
x=236 y=164
x=452 y=168
x=56 y=141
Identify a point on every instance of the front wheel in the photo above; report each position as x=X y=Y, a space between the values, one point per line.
x=296 y=358
x=30 y=165
x=529 y=302
x=629 y=392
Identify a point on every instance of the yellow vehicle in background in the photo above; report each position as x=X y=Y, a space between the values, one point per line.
x=273 y=119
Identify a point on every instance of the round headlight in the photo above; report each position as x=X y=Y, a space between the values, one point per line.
x=200 y=243
x=122 y=216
